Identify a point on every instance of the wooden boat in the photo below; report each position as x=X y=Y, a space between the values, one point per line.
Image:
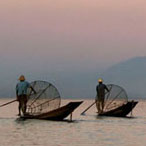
x=58 y=114
x=121 y=111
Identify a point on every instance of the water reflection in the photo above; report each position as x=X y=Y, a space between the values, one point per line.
x=89 y=130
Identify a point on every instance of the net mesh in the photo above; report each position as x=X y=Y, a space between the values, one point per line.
x=47 y=98
x=116 y=97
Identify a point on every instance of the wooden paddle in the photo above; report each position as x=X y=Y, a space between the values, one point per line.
x=88 y=108
x=8 y=102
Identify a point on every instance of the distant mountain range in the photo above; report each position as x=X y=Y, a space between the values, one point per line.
x=79 y=83
x=131 y=75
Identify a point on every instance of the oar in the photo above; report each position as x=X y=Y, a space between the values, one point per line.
x=8 y=102
x=88 y=108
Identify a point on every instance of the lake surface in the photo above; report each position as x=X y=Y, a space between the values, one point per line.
x=87 y=130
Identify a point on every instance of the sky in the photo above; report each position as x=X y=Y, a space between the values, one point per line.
x=68 y=42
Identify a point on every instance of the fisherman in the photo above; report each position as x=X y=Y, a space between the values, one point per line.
x=100 y=89
x=21 y=94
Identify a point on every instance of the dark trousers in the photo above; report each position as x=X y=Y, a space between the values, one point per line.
x=100 y=103
x=22 y=103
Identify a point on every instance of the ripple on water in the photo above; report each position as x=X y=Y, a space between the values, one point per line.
x=88 y=130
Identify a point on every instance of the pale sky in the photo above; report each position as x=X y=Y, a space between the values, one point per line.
x=64 y=36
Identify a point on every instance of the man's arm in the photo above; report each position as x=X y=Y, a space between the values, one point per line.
x=97 y=89
x=106 y=88
x=17 y=95
x=96 y=98
x=16 y=92
x=29 y=86
x=33 y=89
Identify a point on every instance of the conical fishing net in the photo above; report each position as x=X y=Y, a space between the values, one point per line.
x=47 y=98
x=116 y=97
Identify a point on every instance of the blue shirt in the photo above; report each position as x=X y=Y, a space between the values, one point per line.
x=21 y=88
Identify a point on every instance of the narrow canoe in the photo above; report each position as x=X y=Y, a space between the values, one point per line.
x=58 y=114
x=121 y=111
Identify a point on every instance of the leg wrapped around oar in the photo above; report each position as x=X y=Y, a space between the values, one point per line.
x=22 y=104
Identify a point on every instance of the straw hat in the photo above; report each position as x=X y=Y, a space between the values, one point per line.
x=22 y=78
x=100 y=80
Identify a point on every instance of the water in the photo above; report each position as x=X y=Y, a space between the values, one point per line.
x=88 y=130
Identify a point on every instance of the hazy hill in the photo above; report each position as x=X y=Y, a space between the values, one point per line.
x=75 y=82
x=131 y=75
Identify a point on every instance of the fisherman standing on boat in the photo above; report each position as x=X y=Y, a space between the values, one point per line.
x=100 y=89
x=21 y=94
